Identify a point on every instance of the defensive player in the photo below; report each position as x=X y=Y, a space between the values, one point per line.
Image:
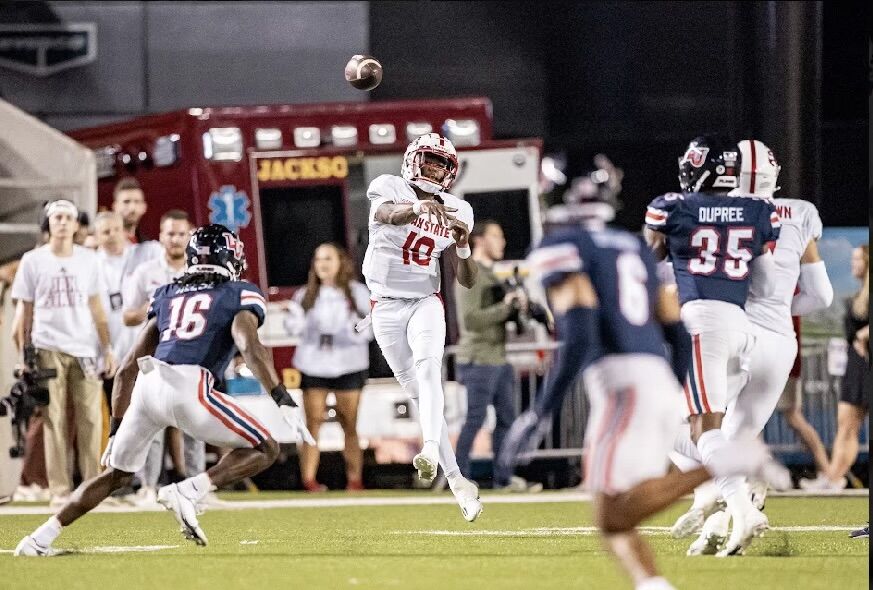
x=611 y=316
x=720 y=249
x=193 y=325
x=801 y=286
x=413 y=221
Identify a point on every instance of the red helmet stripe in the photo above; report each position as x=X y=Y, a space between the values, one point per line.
x=754 y=166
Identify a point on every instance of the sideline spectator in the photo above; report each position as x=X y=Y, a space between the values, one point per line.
x=481 y=366
x=331 y=356
x=128 y=200
x=853 y=406
x=59 y=284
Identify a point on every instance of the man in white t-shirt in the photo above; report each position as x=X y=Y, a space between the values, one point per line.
x=175 y=232
x=59 y=285
x=414 y=220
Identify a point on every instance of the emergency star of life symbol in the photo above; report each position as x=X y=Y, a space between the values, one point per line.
x=45 y=49
x=230 y=208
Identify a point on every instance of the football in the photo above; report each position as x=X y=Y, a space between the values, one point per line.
x=364 y=72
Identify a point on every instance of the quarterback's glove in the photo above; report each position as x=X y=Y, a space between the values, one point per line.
x=294 y=418
x=291 y=413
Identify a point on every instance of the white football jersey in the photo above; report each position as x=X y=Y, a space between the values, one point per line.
x=800 y=225
x=403 y=260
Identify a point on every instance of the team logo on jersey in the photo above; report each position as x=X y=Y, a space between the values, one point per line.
x=230 y=208
x=695 y=155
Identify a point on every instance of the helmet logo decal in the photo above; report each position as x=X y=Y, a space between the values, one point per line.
x=695 y=155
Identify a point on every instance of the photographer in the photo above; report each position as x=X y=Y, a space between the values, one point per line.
x=481 y=358
x=59 y=285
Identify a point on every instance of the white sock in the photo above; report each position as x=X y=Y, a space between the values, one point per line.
x=655 y=583
x=736 y=494
x=46 y=534
x=196 y=487
x=431 y=401
x=709 y=443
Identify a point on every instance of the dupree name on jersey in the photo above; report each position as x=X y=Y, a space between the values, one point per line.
x=715 y=214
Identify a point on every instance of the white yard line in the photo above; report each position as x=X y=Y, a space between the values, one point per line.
x=415 y=500
x=110 y=549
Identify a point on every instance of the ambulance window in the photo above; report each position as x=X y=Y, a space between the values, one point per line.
x=295 y=221
x=511 y=209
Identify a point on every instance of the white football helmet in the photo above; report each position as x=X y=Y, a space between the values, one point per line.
x=759 y=170
x=429 y=143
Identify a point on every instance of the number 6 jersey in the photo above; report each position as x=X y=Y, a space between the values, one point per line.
x=194 y=321
x=402 y=261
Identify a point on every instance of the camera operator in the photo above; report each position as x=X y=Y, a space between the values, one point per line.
x=59 y=285
x=483 y=311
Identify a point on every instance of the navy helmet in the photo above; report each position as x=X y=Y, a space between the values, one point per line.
x=711 y=162
x=215 y=249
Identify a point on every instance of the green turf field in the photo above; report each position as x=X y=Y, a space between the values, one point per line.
x=530 y=546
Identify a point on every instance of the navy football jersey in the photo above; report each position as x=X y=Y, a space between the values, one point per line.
x=622 y=270
x=711 y=239
x=194 y=322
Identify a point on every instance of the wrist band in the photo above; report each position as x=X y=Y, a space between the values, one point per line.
x=416 y=207
x=114 y=423
x=463 y=252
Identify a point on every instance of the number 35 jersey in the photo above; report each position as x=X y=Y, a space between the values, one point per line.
x=622 y=271
x=194 y=322
x=402 y=261
x=711 y=240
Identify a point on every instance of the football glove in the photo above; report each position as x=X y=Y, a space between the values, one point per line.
x=291 y=413
x=104 y=459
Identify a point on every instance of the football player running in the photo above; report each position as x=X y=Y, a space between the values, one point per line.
x=613 y=320
x=720 y=247
x=166 y=380
x=800 y=269
x=413 y=220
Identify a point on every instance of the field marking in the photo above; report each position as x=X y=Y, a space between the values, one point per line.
x=109 y=549
x=584 y=531
x=419 y=499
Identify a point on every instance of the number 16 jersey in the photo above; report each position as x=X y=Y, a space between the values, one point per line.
x=402 y=261
x=194 y=322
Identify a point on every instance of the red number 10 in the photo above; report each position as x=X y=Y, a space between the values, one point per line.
x=414 y=251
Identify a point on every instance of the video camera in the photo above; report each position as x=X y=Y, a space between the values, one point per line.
x=27 y=393
x=534 y=312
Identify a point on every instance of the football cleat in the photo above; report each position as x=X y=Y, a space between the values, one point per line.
x=713 y=534
x=185 y=511
x=426 y=462
x=467 y=494
x=863 y=533
x=28 y=547
x=746 y=527
x=758 y=493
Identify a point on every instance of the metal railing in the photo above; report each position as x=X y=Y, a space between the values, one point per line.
x=532 y=362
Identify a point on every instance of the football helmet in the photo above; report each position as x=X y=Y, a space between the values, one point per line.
x=709 y=162
x=214 y=248
x=417 y=151
x=759 y=170
x=592 y=197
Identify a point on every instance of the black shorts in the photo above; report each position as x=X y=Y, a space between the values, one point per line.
x=343 y=382
x=852 y=389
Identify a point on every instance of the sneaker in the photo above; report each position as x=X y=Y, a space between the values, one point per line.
x=520 y=485
x=59 y=501
x=758 y=493
x=467 y=494
x=313 y=486
x=185 y=511
x=822 y=483
x=746 y=527
x=426 y=462
x=861 y=533
x=712 y=535
x=354 y=485
x=28 y=547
